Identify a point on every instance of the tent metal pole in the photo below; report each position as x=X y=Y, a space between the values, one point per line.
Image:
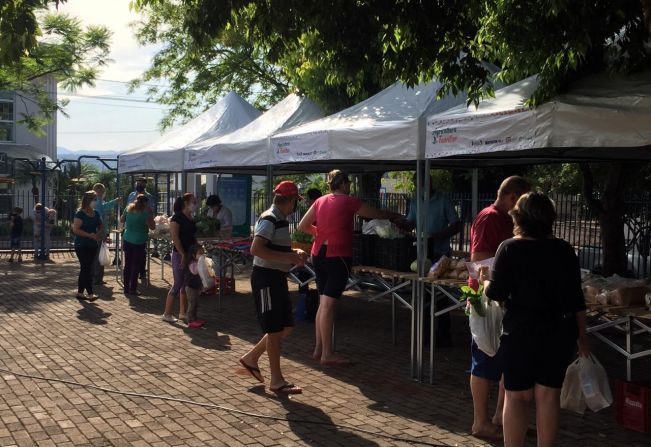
x=426 y=198
x=475 y=191
x=184 y=180
x=421 y=256
x=117 y=193
x=156 y=193
x=270 y=184
x=169 y=196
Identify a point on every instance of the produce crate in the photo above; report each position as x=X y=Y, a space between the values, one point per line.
x=305 y=246
x=229 y=287
x=633 y=405
x=395 y=254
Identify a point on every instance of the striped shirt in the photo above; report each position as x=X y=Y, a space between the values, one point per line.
x=274 y=227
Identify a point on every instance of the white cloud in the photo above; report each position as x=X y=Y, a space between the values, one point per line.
x=116 y=16
x=97 y=124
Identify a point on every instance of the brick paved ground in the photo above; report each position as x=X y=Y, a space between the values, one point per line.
x=122 y=344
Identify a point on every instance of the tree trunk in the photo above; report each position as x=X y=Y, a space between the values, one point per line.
x=610 y=210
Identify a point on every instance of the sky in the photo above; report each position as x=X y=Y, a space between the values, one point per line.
x=100 y=124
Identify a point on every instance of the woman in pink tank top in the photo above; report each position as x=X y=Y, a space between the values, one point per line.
x=331 y=219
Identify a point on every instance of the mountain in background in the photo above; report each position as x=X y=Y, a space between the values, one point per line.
x=74 y=154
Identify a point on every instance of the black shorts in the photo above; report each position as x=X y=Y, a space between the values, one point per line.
x=537 y=356
x=331 y=273
x=271 y=296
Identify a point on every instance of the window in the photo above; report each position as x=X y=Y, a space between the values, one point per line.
x=6 y=116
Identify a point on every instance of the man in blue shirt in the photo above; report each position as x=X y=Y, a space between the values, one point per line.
x=101 y=207
x=442 y=223
x=141 y=185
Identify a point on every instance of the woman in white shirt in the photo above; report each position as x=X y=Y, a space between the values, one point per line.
x=217 y=210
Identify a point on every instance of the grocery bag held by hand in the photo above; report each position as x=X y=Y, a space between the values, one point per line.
x=206 y=271
x=572 y=392
x=594 y=383
x=104 y=258
x=486 y=329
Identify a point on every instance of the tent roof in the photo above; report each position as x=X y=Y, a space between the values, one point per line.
x=384 y=127
x=166 y=153
x=248 y=147
x=600 y=117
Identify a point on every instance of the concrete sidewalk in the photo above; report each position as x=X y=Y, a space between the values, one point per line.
x=122 y=344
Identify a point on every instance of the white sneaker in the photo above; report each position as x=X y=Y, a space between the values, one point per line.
x=169 y=319
x=183 y=318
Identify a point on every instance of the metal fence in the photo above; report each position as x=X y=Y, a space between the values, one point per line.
x=575 y=223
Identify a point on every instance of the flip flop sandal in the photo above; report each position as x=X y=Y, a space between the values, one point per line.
x=288 y=388
x=255 y=372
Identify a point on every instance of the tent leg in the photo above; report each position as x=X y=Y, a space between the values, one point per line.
x=169 y=197
x=155 y=193
x=475 y=191
x=426 y=197
x=270 y=185
x=421 y=267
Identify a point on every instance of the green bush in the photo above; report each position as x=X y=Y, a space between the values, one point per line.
x=60 y=230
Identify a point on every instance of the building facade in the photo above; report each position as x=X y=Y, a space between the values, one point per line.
x=17 y=141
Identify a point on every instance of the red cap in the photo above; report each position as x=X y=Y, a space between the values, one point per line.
x=287 y=188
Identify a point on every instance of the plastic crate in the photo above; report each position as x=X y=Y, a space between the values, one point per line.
x=395 y=254
x=633 y=405
x=364 y=249
x=229 y=287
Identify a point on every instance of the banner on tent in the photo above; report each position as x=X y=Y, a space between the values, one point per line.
x=304 y=147
x=129 y=165
x=465 y=134
x=194 y=159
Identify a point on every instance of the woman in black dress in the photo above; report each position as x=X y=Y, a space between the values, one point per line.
x=537 y=277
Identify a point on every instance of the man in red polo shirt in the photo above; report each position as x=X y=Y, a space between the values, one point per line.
x=490 y=228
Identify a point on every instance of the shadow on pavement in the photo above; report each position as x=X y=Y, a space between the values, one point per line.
x=92 y=313
x=313 y=426
x=316 y=433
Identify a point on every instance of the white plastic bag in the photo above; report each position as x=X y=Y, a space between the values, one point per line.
x=104 y=258
x=382 y=227
x=473 y=267
x=594 y=383
x=572 y=392
x=206 y=271
x=487 y=330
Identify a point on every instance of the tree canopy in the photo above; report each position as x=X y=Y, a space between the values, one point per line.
x=35 y=43
x=356 y=48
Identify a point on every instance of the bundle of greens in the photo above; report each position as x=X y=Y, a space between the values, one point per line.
x=473 y=298
x=301 y=237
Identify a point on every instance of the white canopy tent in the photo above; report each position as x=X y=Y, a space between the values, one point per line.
x=166 y=153
x=248 y=147
x=387 y=127
x=599 y=117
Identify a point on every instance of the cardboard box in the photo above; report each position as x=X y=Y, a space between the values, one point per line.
x=628 y=296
